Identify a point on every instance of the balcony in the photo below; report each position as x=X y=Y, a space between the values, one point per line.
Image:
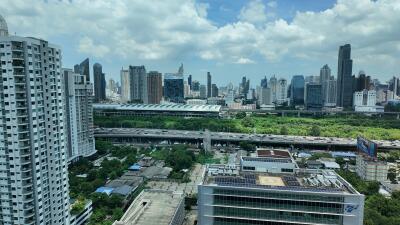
x=18 y=55
x=18 y=64
x=17 y=47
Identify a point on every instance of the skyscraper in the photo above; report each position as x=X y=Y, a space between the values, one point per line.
x=329 y=94
x=99 y=83
x=125 y=86
x=79 y=115
x=324 y=78
x=138 y=83
x=203 y=91
x=83 y=69
x=362 y=82
x=344 y=80
x=173 y=88
x=214 y=90
x=273 y=83
x=313 y=96
x=208 y=84
x=180 y=70
x=195 y=85
x=33 y=170
x=154 y=87
x=281 y=91
x=264 y=82
x=297 y=90
x=190 y=81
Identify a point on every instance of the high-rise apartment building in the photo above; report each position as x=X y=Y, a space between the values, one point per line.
x=138 y=83
x=362 y=82
x=33 y=165
x=195 y=85
x=79 y=115
x=281 y=91
x=297 y=90
x=154 y=87
x=83 y=69
x=208 y=84
x=125 y=86
x=99 y=83
x=265 y=97
x=173 y=88
x=273 y=84
x=394 y=86
x=344 y=79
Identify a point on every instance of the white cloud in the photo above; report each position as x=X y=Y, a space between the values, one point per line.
x=87 y=46
x=154 y=30
x=245 y=61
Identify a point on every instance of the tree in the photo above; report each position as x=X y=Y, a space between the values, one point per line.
x=315 y=131
x=240 y=115
x=392 y=175
x=284 y=130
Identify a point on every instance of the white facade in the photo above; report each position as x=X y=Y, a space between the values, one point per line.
x=79 y=115
x=365 y=101
x=33 y=152
x=82 y=217
x=372 y=170
x=196 y=102
x=125 y=86
x=273 y=85
x=281 y=91
x=266 y=96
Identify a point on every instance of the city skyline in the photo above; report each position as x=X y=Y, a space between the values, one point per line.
x=219 y=26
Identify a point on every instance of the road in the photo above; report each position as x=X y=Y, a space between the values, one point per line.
x=234 y=137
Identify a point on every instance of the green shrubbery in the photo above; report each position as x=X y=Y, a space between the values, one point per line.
x=329 y=126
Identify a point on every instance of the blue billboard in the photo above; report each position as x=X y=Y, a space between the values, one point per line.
x=368 y=147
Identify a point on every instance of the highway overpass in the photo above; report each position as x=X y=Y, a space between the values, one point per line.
x=138 y=135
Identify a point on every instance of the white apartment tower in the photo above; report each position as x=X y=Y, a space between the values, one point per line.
x=79 y=115
x=281 y=91
x=33 y=154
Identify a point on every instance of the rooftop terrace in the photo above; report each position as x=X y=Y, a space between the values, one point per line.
x=302 y=180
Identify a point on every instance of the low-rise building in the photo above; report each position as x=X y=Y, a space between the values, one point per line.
x=269 y=160
x=371 y=169
x=155 y=207
x=83 y=216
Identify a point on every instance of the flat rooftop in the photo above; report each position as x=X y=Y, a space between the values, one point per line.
x=152 y=207
x=301 y=180
x=273 y=153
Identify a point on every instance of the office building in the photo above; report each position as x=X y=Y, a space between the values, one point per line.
x=79 y=115
x=138 y=84
x=394 y=86
x=208 y=84
x=154 y=87
x=214 y=90
x=371 y=169
x=186 y=89
x=195 y=86
x=173 y=88
x=365 y=101
x=155 y=207
x=273 y=85
x=190 y=81
x=203 y=91
x=33 y=169
x=325 y=74
x=112 y=85
x=297 y=90
x=230 y=196
x=99 y=83
x=125 y=86
x=313 y=96
x=265 y=97
x=362 y=82
x=344 y=87
x=264 y=82
x=83 y=69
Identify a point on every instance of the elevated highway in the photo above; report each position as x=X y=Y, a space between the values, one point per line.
x=138 y=135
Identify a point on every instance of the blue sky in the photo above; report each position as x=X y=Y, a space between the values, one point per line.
x=229 y=38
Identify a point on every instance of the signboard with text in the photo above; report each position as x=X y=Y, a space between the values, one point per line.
x=368 y=147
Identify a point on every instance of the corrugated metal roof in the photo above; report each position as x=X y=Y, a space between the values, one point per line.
x=159 y=107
